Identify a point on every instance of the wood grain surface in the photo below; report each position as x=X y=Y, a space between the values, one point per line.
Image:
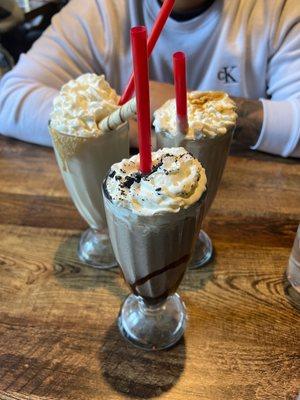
x=58 y=334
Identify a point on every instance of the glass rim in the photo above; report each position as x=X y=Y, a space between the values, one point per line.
x=229 y=132
x=120 y=127
x=108 y=197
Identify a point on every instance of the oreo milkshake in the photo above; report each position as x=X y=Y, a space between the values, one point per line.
x=84 y=154
x=154 y=219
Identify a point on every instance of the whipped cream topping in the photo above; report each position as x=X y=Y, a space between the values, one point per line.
x=81 y=104
x=177 y=180
x=209 y=114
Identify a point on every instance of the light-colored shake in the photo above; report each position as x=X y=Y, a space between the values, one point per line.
x=84 y=154
x=211 y=120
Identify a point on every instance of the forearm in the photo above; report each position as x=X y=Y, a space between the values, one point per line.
x=249 y=122
x=25 y=109
x=269 y=125
x=27 y=92
x=159 y=94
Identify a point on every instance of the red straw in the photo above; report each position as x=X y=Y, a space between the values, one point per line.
x=141 y=81
x=161 y=19
x=179 y=65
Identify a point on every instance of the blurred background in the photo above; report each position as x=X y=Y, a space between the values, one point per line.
x=21 y=23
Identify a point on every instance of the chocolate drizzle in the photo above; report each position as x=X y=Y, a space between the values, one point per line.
x=171 y=290
x=173 y=265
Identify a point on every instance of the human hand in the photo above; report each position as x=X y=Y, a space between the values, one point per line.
x=159 y=94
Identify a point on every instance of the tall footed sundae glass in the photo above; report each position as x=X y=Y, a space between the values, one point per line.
x=153 y=220
x=211 y=124
x=85 y=153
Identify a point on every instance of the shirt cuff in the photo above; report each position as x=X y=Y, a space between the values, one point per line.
x=280 y=132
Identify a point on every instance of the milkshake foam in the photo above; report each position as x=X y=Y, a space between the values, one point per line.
x=210 y=114
x=81 y=104
x=153 y=219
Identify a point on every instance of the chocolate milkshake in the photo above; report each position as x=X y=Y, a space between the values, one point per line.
x=155 y=218
x=153 y=221
x=211 y=120
x=84 y=154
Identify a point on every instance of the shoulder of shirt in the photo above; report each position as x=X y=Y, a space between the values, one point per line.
x=113 y=8
x=274 y=16
x=271 y=8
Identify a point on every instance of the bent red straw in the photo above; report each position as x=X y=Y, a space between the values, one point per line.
x=179 y=65
x=161 y=19
x=141 y=82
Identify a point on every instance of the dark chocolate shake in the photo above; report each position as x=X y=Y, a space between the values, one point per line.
x=153 y=220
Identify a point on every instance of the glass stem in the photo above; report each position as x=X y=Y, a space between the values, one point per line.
x=150 y=309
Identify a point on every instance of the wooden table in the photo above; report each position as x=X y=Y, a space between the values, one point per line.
x=58 y=316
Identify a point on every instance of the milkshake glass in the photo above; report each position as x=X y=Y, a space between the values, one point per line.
x=153 y=221
x=293 y=269
x=84 y=155
x=212 y=119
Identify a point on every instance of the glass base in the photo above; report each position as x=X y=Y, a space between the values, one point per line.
x=95 y=249
x=293 y=273
x=152 y=327
x=203 y=251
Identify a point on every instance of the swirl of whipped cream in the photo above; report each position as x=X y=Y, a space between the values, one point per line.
x=177 y=181
x=209 y=114
x=81 y=104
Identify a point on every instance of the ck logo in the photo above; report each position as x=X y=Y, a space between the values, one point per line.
x=226 y=74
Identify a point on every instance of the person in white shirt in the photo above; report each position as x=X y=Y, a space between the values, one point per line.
x=248 y=48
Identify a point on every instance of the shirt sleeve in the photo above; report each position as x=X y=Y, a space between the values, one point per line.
x=72 y=45
x=281 y=127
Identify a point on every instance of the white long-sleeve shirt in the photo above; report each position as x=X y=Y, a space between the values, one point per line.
x=248 y=48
